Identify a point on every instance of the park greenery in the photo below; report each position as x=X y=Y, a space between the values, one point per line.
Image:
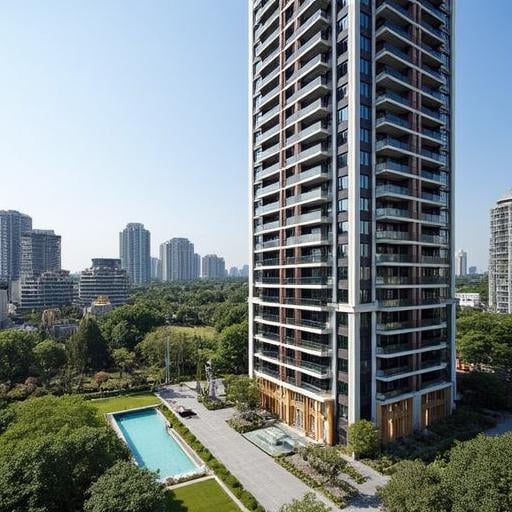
x=126 y=348
x=476 y=476
x=307 y=503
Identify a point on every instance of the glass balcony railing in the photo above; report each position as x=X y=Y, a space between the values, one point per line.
x=393 y=166
x=391 y=141
x=382 y=190
x=392 y=235
x=390 y=118
x=392 y=258
x=392 y=212
x=391 y=95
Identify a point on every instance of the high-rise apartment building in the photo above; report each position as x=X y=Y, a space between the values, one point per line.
x=104 y=279
x=51 y=289
x=179 y=262
x=12 y=226
x=134 y=251
x=40 y=252
x=214 y=267
x=156 y=269
x=461 y=263
x=500 y=256
x=196 y=273
x=351 y=184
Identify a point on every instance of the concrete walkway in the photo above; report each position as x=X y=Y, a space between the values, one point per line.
x=270 y=483
x=503 y=425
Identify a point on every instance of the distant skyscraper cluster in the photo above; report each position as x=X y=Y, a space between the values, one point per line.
x=461 y=263
x=500 y=256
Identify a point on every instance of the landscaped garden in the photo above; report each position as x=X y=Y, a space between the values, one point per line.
x=205 y=496
x=124 y=402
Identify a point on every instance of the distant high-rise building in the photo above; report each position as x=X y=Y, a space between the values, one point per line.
x=472 y=271
x=244 y=271
x=105 y=278
x=461 y=263
x=196 y=273
x=213 y=267
x=4 y=305
x=178 y=260
x=40 y=252
x=351 y=311
x=500 y=256
x=13 y=225
x=134 y=251
x=156 y=269
x=234 y=272
x=52 y=289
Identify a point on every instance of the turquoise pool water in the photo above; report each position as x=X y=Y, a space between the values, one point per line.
x=152 y=447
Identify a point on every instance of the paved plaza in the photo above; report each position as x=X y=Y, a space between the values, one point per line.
x=270 y=484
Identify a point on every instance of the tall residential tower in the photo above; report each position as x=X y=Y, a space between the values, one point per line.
x=13 y=225
x=500 y=256
x=134 y=251
x=351 y=188
x=178 y=260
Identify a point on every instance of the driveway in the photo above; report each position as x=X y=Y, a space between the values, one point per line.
x=270 y=484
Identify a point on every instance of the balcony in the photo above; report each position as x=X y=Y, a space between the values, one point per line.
x=318 y=150
x=308 y=218
x=389 y=48
x=318 y=370
x=315 y=172
x=267 y=190
x=262 y=210
x=269 y=152
x=393 y=235
x=388 y=71
x=269 y=244
x=392 y=258
x=392 y=143
x=389 y=165
x=382 y=213
x=267 y=134
x=268 y=171
x=432 y=155
x=319 y=83
x=317 y=40
x=393 y=280
x=390 y=95
x=394 y=373
x=267 y=116
x=320 y=62
x=434 y=239
x=267 y=226
x=392 y=119
x=435 y=198
x=315 y=130
x=308 y=239
x=318 y=106
x=313 y=195
x=385 y=190
x=309 y=281
x=303 y=260
x=394 y=393
x=320 y=18
x=436 y=176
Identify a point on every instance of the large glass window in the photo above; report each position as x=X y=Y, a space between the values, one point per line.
x=365 y=67
x=365 y=112
x=342 y=205
x=342 y=114
x=365 y=135
x=364 y=157
x=364 y=20
x=366 y=45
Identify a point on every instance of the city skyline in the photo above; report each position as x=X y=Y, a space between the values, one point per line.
x=114 y=105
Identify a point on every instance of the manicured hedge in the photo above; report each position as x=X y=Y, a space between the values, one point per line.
x=217 y=467
x=117 y=392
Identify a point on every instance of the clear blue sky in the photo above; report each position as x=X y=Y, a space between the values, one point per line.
x=116 y=111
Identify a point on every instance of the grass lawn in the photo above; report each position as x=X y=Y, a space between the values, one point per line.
x=207 y=496
x=203 y=332
x=121 y=403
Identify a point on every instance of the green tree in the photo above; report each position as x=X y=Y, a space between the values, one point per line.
x=52 y=472
x=483 y=389
x=126 y=488
x=244 y=392
x=88 y=350
x=16 y=356
x=308 y=503
x=123 y=359
x=363 y=438
x=474 y=347
x=478 y=476
x=231 y=355
x=415 y=487
x=50 y=357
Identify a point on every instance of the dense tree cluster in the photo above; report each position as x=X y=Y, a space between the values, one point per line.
x=126 y=348
x=477 y=476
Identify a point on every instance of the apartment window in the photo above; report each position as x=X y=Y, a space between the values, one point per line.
x=365 y=20
x=342 y=91
x=343 y=137
x=365 y=273
x=365 y=2
x=342 y=205
x=342 y=160
x=364 y=181
x=364 y=134
x=365 y=250
x=343 y=295
x=365 y=43
x=364 y=227
x=364 y=204
x=343 y=365
x=365 y=67
x=342 y=341
x=343 y=227
x=342 y=182
x=343 y=273
x=342 y=114
x=342 y=69
x=343 y=318
x=342 y=251
x=365 y=296
x=364 y=89
x=343 y=24
x=342 y=388
x=364 y=157
x=365 y=112
x=342 y=46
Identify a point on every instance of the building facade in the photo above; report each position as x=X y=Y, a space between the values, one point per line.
x=156 y=269
x=468 y=300
x=213 y=267
x=40 y=252
x=500 y=256
x=48 y=290
x=13 y=225
x=179 y=262
x=105 y=279
x=352 y=311
x=134 y=252
x=461 y=263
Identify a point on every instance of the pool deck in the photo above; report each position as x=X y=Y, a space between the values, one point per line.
x=271 y=484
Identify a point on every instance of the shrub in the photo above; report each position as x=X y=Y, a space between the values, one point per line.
x=363 y=438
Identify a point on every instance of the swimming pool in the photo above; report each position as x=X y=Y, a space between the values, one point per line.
x=145 y=432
